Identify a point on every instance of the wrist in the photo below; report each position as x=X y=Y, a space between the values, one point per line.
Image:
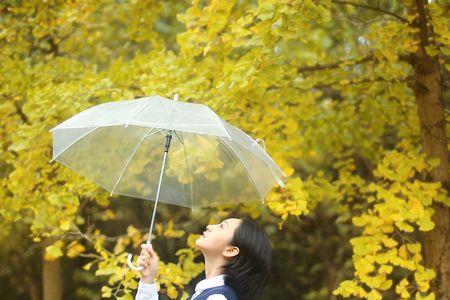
x=147 y=279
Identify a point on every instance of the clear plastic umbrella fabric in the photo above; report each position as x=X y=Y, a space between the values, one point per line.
x=120 y=145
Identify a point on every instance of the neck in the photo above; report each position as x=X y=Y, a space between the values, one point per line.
x=213 y=266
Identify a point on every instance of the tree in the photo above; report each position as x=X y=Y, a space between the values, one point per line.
x=348 y=96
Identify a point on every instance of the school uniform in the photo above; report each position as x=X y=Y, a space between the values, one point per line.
x=207 y=289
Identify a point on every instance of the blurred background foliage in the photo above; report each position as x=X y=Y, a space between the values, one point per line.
x=351 y=98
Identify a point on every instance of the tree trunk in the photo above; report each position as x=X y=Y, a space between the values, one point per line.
x=25 y=277
x=32 y=287
x=51 y=278
x=427 y=87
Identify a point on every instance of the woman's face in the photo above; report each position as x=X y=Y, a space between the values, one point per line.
x=216 y=239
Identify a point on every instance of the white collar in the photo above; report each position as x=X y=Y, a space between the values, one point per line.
x=210 y=282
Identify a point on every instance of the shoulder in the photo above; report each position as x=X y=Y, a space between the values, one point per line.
x=223 y=292
x=216 y=297
x=219 y=293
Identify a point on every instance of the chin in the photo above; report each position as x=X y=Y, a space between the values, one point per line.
x=202 y=245
x=198 y=243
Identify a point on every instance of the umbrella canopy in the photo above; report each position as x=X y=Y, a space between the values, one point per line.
x=119 y=145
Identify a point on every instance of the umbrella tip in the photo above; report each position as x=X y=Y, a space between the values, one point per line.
x=263 y=143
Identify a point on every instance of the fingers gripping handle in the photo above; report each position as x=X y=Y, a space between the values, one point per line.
x=130 y=264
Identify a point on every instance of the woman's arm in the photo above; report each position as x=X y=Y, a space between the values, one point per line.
x=146 y=291
x=147 y=286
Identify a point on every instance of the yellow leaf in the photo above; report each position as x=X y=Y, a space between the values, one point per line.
x=385 y=269
x=87 y=266
x=374 y=295
x=414 y=247
x=74 y=249
x=404 y=226
x=425 y=224
x=64 y=224
x=106 y=292
x=430 y=296
x=53 y=251
x=172 y=292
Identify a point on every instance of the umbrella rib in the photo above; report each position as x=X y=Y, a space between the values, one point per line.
x=178 y=137
x=245 y=167
x=138 y=111
x=265 y=153
x=189 y=172
x=220 y=121
x=187 y=165
x=71 y=144
x=131 y=157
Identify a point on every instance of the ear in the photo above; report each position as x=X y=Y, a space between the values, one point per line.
x=231 y=251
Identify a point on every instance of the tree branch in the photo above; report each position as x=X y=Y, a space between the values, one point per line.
x=370 y=57
x=372 y=8
x=421 y=23
x=335 y=65
x=23 y=117
x=356 y=82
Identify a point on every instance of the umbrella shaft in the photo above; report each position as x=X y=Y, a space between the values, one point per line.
x=166 y=150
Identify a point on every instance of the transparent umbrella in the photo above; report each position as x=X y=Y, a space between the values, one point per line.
x=124 y=147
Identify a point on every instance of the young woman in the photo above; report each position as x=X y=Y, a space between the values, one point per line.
x=238 y=261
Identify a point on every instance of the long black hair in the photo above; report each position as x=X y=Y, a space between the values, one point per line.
x=247 y=272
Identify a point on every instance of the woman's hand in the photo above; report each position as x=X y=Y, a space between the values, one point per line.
x=149 y=260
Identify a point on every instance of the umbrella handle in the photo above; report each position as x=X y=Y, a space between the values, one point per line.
x=130 y=264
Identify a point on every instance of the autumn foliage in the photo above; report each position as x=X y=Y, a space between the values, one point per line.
x=350 y=98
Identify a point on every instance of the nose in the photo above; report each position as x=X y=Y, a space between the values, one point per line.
x=210 y=227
